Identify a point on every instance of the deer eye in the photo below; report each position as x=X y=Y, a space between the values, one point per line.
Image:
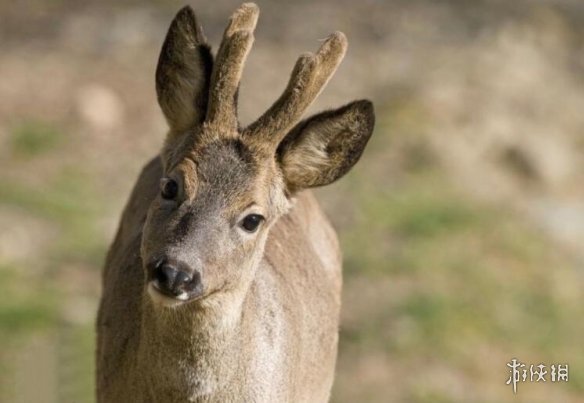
x=251 y=222
x=168 y=188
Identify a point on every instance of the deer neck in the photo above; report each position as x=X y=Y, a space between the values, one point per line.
x=192 y=349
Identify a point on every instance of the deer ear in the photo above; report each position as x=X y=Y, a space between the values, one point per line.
x=183 y=72
x=323 y=148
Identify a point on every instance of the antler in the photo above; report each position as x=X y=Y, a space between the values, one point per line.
x=308 y=78
x=236 y=43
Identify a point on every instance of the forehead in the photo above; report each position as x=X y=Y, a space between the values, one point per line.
x=224 y=160
x=225 y=172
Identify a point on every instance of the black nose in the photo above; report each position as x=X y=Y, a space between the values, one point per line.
x=175 y=278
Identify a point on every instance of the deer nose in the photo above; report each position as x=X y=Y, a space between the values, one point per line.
x=175 y=278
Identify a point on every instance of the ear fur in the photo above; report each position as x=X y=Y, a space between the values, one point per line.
x=183 y=72
x=324 y=147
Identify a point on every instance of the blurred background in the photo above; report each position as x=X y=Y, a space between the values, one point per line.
x=461 y=226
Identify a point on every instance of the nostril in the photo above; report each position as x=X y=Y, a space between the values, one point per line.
x=165 y=275
x=174 y=277
x=171 y=278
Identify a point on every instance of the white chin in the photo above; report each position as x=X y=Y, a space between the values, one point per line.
x=166 y=301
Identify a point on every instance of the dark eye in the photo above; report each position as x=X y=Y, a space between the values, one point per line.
x=168 y=188
x=251 y=222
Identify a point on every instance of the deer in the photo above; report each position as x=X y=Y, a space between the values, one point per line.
x=223 y=282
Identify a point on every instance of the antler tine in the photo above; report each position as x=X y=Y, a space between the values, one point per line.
x=236 y=43
x=308 y=78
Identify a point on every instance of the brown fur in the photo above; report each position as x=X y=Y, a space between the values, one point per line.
x=265 y=327
x=182 y=91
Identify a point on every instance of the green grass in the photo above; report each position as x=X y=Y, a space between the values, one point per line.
x=476 y=275
x=76 y=352
x=35 y=137
x=446 y=283
x=29 y=304
x=35 y=297
x=72 y=204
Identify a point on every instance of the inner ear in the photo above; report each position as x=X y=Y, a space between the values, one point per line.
x=183 y=72
x=325 y=147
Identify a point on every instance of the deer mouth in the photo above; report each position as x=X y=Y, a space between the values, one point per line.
x=164 y=297
x=168 y=299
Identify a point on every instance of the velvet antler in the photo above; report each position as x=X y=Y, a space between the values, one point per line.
x=237 y=41
x=308 y=78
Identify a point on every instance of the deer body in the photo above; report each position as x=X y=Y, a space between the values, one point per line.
x=223 y=283
x=275 y=347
